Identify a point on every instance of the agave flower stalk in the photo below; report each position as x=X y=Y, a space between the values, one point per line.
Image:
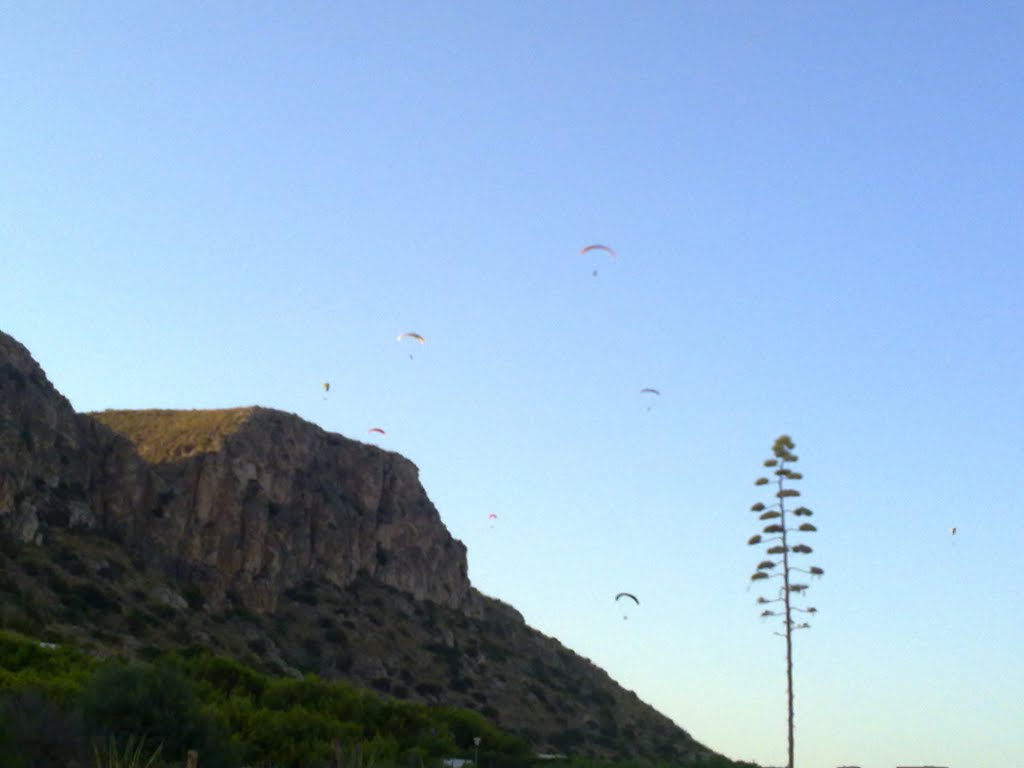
x=777 y=534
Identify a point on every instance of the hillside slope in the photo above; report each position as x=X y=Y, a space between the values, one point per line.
x=254 y=533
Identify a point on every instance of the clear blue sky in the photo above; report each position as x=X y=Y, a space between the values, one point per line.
x=818 y=210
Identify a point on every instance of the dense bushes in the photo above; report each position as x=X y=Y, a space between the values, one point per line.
x=157 y=701
x=38 y=732
x=66 y=702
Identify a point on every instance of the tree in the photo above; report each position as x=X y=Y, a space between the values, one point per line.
x=778 y=534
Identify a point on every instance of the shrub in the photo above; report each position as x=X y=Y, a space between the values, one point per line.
x=38 y=732
x=156 y=701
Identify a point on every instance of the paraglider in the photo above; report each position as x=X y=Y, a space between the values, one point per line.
x=378 y=430
x=597 y=247
x=629 y=596
x=491 y=518
x=952 y=531
x=650 y=391
x=327 y=388
x=413 y=336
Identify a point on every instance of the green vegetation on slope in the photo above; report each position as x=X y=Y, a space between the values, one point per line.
x=166 y=435
x=58 y=704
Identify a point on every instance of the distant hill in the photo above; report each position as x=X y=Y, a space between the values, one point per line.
x=255 y=534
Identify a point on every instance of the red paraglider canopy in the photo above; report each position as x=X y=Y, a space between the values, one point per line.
x=597 y=247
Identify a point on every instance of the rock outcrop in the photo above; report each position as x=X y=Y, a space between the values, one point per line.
x=245 y=503
x=278 y=501
x=58 y=468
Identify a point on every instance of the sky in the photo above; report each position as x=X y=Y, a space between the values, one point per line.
x=817 y=211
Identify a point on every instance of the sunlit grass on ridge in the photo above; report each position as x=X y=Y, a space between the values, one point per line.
x=162 y=435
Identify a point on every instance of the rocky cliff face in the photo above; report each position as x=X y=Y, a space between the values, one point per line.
x=278 y=501
x=245 y=503
x=58 y=468
x=253 y=533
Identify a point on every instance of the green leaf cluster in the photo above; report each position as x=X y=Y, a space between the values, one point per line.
x=778 y=532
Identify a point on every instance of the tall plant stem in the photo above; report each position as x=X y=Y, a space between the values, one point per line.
x=789 y=618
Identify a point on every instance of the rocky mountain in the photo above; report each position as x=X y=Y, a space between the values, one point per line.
x=254 y=533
